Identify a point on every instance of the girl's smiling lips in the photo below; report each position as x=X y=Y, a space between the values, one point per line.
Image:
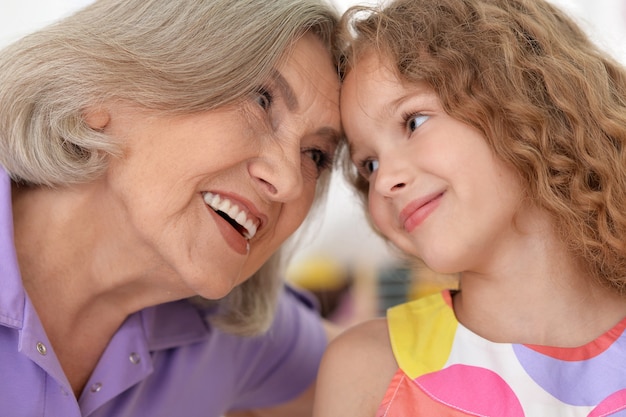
x=418 y=210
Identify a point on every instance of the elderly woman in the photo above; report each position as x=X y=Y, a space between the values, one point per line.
x=155 y=155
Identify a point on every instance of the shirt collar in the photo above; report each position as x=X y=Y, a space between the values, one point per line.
x=174 y=324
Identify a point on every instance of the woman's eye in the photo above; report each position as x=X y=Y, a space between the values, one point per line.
x=321 y=159
x=264 y=99
x=413 y=121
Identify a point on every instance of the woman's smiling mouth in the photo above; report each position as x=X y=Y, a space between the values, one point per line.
x=233 y=214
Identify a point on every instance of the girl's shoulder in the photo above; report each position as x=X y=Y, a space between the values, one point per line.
x=365 y=341
x=356 y=371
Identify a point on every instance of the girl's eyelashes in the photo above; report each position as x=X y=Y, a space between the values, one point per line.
x=367 y=167
x=413 y=120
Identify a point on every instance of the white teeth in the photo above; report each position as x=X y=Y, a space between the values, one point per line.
x=241 y=218
x=233 y=211
x=251 y=228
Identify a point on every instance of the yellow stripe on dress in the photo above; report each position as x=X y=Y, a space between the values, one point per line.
x=421 y=333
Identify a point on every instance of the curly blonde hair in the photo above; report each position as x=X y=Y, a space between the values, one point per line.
x=549 y=102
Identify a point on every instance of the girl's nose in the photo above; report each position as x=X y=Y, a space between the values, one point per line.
x=391 y=176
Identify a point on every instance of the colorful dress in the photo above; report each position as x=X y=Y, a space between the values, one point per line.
x=446 y=370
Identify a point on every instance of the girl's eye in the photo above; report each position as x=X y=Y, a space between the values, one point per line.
x=264 y=98
x=371 y=166
x=321 y=159
x=367 y=167
x=413 y=121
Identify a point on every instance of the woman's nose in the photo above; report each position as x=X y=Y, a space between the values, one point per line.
x=278 y=170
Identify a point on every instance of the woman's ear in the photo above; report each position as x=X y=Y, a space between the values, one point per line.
x=97 y=118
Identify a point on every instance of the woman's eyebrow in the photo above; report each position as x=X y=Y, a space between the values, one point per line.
x=330 y=134
x=286 y=90
x=292 y=104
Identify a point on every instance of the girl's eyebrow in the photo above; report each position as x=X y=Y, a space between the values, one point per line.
x=425 y=98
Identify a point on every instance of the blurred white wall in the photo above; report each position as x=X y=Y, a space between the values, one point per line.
x=343 y=233
x=19 y=17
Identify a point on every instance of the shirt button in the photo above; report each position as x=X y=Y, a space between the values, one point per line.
x=134 y=358
x=96 y=387
x=41 y=348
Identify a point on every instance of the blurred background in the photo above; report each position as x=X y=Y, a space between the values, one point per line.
x=351 y=270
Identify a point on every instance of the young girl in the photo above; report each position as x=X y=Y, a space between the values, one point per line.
x=489 y=138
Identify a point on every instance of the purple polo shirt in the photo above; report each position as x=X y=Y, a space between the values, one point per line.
x=163 y=361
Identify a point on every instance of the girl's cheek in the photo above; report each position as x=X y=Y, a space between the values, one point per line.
x=378 y=215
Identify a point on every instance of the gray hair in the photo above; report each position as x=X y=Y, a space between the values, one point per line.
x=173 y=57
x=178 y=56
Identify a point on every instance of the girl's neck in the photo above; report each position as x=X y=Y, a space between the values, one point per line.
x=551 y=313
x=533 y=290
